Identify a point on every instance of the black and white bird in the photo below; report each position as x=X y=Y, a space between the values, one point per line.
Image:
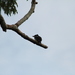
x=37 y=38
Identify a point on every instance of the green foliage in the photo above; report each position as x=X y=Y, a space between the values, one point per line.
x=8 y=6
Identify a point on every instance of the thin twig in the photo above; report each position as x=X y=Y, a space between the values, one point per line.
x=33 y=3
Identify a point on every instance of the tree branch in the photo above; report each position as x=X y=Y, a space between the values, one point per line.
x=33 y=3
x=14 y=27
x=2 y=23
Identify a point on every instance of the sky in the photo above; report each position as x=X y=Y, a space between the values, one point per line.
x=54 y=21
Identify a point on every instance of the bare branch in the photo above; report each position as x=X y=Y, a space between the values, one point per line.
x=14 y=28
x=33 y=3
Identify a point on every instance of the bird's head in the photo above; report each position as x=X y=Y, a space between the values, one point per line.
x=36 y=35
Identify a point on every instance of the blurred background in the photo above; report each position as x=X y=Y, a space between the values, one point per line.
x=54 y=21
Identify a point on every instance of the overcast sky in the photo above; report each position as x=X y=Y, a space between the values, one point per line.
x=54 y=21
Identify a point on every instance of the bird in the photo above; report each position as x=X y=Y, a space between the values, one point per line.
x=37 y=38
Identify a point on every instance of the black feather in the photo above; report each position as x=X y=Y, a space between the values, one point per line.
x=37 y=38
